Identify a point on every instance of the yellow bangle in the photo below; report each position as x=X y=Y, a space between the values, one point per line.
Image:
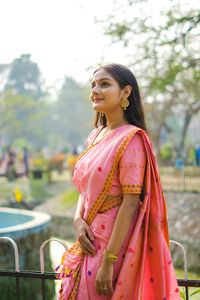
x=110 y=257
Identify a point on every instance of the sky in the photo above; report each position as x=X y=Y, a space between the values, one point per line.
x=61 y=36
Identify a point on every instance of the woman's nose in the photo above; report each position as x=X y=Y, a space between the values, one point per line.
x=94 y=92
x=95 y=89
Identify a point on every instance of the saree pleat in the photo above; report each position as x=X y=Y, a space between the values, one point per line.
x=144 y=270
x=153 y=273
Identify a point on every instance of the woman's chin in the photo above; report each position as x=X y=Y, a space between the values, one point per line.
x=97 y=109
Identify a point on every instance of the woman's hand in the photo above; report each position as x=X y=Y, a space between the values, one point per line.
x=84 y=236
x=103 y=282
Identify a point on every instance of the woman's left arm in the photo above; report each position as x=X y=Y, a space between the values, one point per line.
x=120 y=230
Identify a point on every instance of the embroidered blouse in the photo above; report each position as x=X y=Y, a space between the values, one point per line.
x=129 y=175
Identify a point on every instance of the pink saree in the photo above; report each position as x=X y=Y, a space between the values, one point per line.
x=144 y=270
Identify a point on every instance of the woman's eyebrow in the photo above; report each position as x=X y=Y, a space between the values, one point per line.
x=101 y=79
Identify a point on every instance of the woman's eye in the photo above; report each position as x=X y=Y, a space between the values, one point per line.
x=104 y=84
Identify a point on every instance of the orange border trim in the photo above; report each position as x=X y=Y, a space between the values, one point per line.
x=108 y=182
x=132 y=188
x=100 y=199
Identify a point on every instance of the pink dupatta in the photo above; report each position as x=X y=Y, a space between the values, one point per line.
x=147 y=271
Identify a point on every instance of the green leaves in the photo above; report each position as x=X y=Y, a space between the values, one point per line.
x=18 y=114
x=168 y=78
x=182 y=294
x=118 y=30
x=24 y=77
x=73 y=113
x=164 y=51
x=195 y=292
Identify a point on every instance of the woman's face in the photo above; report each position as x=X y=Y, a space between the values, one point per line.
x=106 y=93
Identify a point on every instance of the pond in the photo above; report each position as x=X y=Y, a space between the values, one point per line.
x=8 y=219
x=29 y=229
x=17 y=223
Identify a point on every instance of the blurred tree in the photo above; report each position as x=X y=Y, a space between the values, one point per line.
x=24 y=77
x=166 y=152
x=72 y=114
x=3 y=67
x=54 y=125
x=165 y=57
x=20 y=116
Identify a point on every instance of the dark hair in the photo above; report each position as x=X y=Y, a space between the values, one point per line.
x=134 y=113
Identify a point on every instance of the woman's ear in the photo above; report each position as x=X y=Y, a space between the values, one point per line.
x=127 y=91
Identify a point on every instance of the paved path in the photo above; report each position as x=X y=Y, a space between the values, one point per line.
x=54 y=207
x=184 y=226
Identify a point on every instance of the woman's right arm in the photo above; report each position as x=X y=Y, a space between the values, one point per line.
x=83 y=231
x=79 y=209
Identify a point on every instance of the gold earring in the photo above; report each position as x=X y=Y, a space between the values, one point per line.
x=102 y=114
x=124 y=103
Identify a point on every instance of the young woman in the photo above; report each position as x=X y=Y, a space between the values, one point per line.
x=122 y=249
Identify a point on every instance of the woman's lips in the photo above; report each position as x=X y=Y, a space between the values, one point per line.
x=98 y=99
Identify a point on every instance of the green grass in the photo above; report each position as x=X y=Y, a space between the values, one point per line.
x=5 y=192
x=69 y=198
x=180 y=274
x=7 y=189
x=39 y=186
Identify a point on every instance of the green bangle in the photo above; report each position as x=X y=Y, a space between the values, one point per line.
x=110 y=257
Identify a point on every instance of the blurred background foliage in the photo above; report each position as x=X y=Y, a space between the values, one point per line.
x=163 y=54
x=29 y=116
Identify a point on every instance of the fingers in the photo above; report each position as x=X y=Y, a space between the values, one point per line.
x=97 y=286
x=107 y=288
x=85 y=237
x=87 y=248
x=86 y=244
x=104 y=287
x=89 y=233
x=110 y=288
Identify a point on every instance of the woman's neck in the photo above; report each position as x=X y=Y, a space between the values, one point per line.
x=114 y=122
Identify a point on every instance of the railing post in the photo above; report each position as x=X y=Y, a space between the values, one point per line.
x=42 y=262
x=185 y=265
x=184 y=188
x=17 y=269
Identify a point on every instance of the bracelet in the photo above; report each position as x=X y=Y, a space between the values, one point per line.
x=110 y=257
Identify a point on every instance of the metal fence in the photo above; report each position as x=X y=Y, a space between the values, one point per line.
x=182 y=179
x=43 y=276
